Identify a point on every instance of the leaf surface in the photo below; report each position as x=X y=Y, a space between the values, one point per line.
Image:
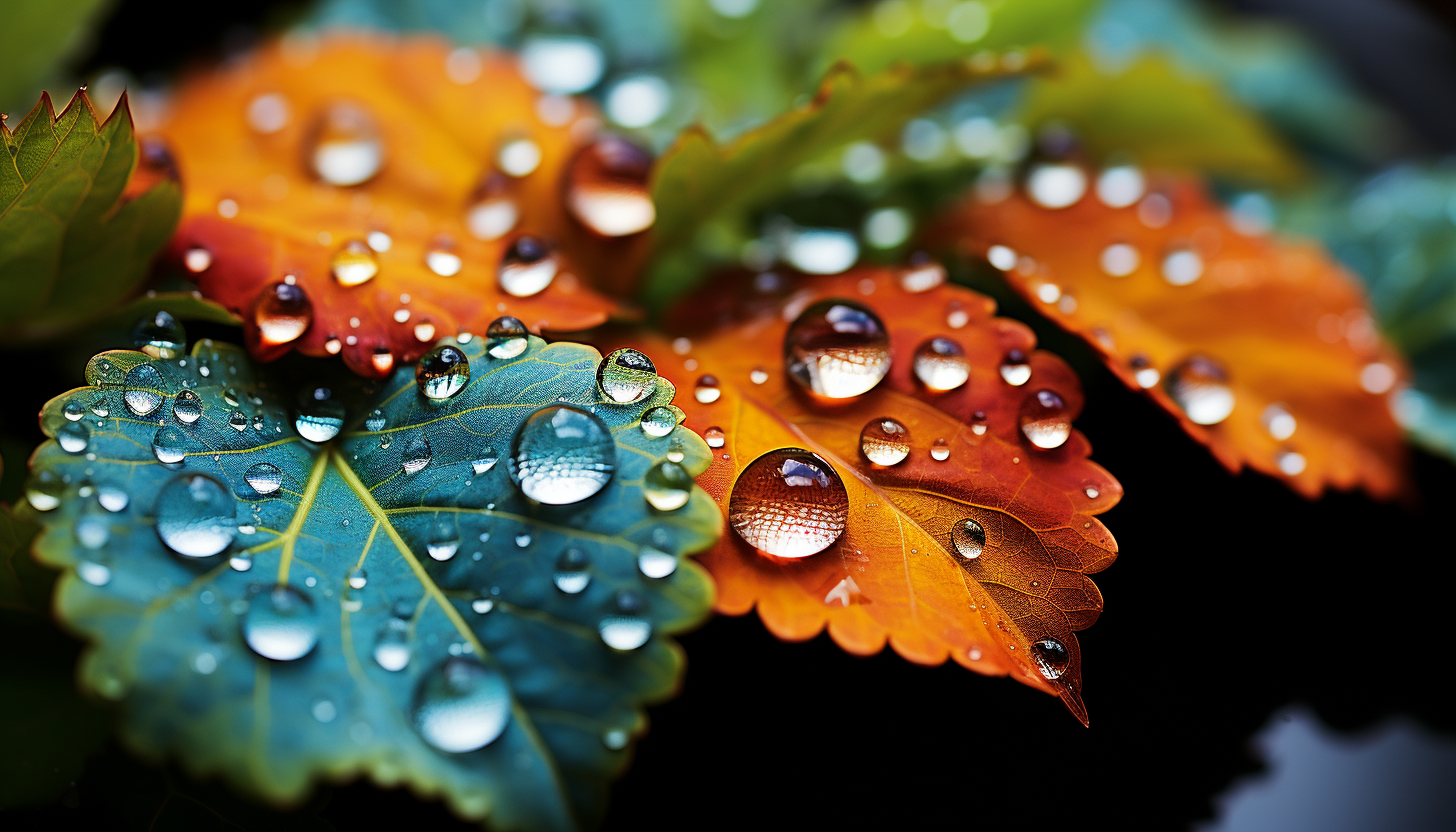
x=1305 y=377
x=423 y=568
x=895 y=575
x=260 y=209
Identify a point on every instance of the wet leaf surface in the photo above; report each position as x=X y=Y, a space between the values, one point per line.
x=952 y=535
x=279 y=610
x=1262 y=349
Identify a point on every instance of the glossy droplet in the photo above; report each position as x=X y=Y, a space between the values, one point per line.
x=941 y=365
x=43 y=491
x=357 y=578
x=1291 y=463
x=320 y=415
x=1120 y=186
x=486 y=461
x=416 y=455
x=187 y=407
x=968 y=538
x=461 y=705
x=562 y=454
x=1119 y=260
x=1278 y=422
x=506 y=338
x=73 y=437
x=1044 y=420
x=241 y=562
x=346 y=145
x=169 y=445
x=885 y=441
x=391 y=645
x=441 y=258
x=281 y=624
x=789 y=503
x=1182 y=267
x=112 y=499
x=354 y=263
x=758 y=375
x=1199 y=385
x=442 y=372
x=283 y=313
x=837 y=349
x=658 y=421
x=1056 y=185
x=197 y=260
x=159 y=335
x=142 y=389
x=940 y=450
x=195 y=516
x=237 y=420
x=492 y=212
x=626 y=628
x=715 y=437
x=1051 y=658
x=481 y=606
x=707 y=390
x=375 y=421
x=626 y=376
x=73 y=411
x=264 y=477
x=443 y=547
x=667 y=486
x=607 y=190
x=527 y=267
x=655 y=563
x=1015 y=368
x=571 y=575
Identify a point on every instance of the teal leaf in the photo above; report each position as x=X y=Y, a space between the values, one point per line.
x=427 y=623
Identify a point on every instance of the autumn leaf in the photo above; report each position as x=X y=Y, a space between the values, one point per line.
x=948 y=510
x=362 y=195
x=1262 y=349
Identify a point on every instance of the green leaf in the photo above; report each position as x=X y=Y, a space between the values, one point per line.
x=36 y=36
x=75 y=235
x=458 y=567
x=1151 y=112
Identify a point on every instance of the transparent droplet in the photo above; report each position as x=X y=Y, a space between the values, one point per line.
x=1056 y=185
x=73 y=411
x=1119 y=260
x=354 y=263
x=606 y=188
x=485 y=462
x=1044 y=420
x=283 y=313
x=1199 y=385
x=391 y=645
x=1290 y=463
x=169 y=445
x=442 y=372
x=43 y=491
x=758 y=375
x=1015 y=368
x=320 y=415
x=1051 y=658
x=1143 y=371
x=492 y=212
x=715 y=437
x=667 y=486
x=821 y=250
x=571 y=575
x=346 y=147
x=187 y=407
x=357 y=578
x=482 y=606
x=626 y=628
x=968 y=538
x=238 y=420
x=159 y=335
x=1278 y=422
x=461 y=705
x=95 y=574
x=281 y=624
x=655 y=563
x=658 y=421
x=195 y=516
x=789 y=503
x=93 y=531
x=885 y=441
x=241 y=562
x=1182 y=267
x=940 y=450
x=445 y=546
x=707 y=390
x=416 y=455
x=264 y=477
x=142 y=389
x=941 y=365
x=638 y=101
x=442 y=259
x=73 y=437
x=837 y=349
x=197 y=260
x=527 y=267
x=375 y=421
x=562 y=454
x=626 y=376
x=112 y=499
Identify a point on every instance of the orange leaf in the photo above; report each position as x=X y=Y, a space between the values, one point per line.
x=896 y=574
x=1262 y=349
x=418 y=167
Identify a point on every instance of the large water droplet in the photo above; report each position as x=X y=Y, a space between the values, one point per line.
x=562 y=454
x=143 y=386
x=626 y=376
x=527 y=267
x=607 y=188
x=885 y=441
x=169 y=445
x=264 y=477
x=658 y=421
x=416 y=455
x=484 y=462
x=159 y=335
x=1051 y=658
x=346 y=145
x=1015 y=368
x=837 y=349
x=1199 y=385
x=391 y=645
x=655 y=563
x=283 y=313
x=281 y=624
x=73 y=411
x=667 y=486
x=789 y=503
x=354 y=263
x=626 y=629
x=320 y=415
x=187 y=407
x=506 y=338
x=461 y=705
x=941 y=365
x=195 y=516
x=442 y=372
x=73 y=437
x=571 y=574
x=1044 y=419
x=968 y=538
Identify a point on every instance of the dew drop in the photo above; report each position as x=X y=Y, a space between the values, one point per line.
x=442 y=372
x=73 y=411
x=241 y=562
x=169 y=445
x=492 y=212
x=1182 y=267
x=1120 y=186
x=441 y=258
x=320 y=415
x=417 y=455
x=1056 y=185
x=486 y=461
x=281 y=624
x=1119 y=260
x=667 y=486
x=518 y=157
x=940 y=450
x=1015 y=368
x=142 y=389
x=112 y=499
x=941 y=365
x=626 y=376
x=506 y=338
x=238 y=421
x=187 y=407
x=159 y=335
x=375 y=421
x=658 y=421
x=43 y=491
x=1044 y=420
x=283 y=313
x=74 y=437
x=707 y=390
x=357 y=578
x=1143 y=371
x=626 y=628
x=607 y=188
x=482 y=606
x=1290 y=463
x=391 y=645
x=837 y=349
x=562 y=454
x=195 y=516
x=715 y=437
x=789 y=503
x=1199 y=385
x=571 y=575
x=354 y=263
x=527 y=267
x=758 y=375
x=197 y=260
x=885 y=441
x=346 y=147
x=1051 y=658
x=264 y=477
x=445 y=546
x=461 y=705
x=968 y=538
x=1278 y=422
x=655 y=563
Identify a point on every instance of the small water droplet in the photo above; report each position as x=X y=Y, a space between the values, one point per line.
x=320 y=416
x=667 y=486
x=169 y=445
x=655 y=563
x=615 y=739
x=1051 y=658
x=391 y=645
x=461 y=705
x=159 y=335
x=1119 y=260
x=1377 y=378
x=658 y=421
x=281 y=624
x=485 y=462
x=789 y=503
x=626 y=629
x=562 y=454
x=143 y=385
x=527 y=267
x=264 y=477
x=187 y=407
x=506 y=338
x=626 y=376
x=268 y=113
x=283 y=313
x=1278 y=422
x=95 y=574
x=571 y=575
x=1290 y=463
x=241 y=562
x=758 y=375
x=1015 y=368
x=73 y=437
x=885 y=441
x=444 y=545
x=195 y=516
x=112 y=499
x=707 y=390
x=1056 y=185
x=197 y=260
x=492 y=212
x=518 y=157
x=416 y=455
x=43 y=491
x=607 y=188
x=838 y=349
x=1091 y=491
x=354 y=263
x=73 y=411
x=1120 y=186
x=940 y=450
x=715 y=437
x=1182 y=267
x=358 y=578
x=1199 y=385
x=442 y=372
x=941 y=365
x=346 y=147
x=1044 y=420
x=375 y=421
x=238 y=420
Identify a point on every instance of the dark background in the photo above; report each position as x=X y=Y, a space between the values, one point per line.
x=1232 y=599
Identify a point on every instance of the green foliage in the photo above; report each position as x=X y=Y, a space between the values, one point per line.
x=400 y=532
x=35 y=37
x=73 y=239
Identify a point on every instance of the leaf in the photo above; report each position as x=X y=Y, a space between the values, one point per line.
x=79 y=220
x=258 y=211
x=1306 y=378
x=37 y=35
x=1164 y=118
x=457 y=571
x=894 y=575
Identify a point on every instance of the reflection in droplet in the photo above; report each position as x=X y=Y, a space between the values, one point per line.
x=281 y=624
x=442 y=259
x=283 y=313
x=527 y=268
x=1044 y=420
x=187 y=407
x=416 y=455
x=885 y=441
x=347 y=148
x=562 y=64
x=667 y=486
x=941 y=365
x=492 y=212
x=195 y=516
x=1051 y=658
x=461 y=705
x=442 y=372
x=1278 y=422
x=606 y=188
x=354 y=263
x=707 y=389
x=626 y=376
x=169 y=444
x=638 y=101
x=320 y=415
x=1200 y=386
x=1119 y=260
x=562 y=454
x=940 y=450
x=1290 y=462
x=789 y=503
x=571 y=575
x=655 y=563
x=506 y=338
x=142 y=389
x=391 y=645
x=264 y=477
x=73 y=437
x=715 y=437
x=626 y=628
x=838 y=349
x=968 y=538
x=658 y=421
x=159 y=335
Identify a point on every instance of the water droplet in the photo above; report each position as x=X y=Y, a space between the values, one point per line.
x=375 y=421
x=241 y=562
x=417 y=455
x=461 y=705
x=43 y=491
x=821 y=250
x=518 y=157
x=346 y=145
x=142 y=389
x=238 y=420
x=626 y=629
x=1051 y=658
x=941 y=365
x=95 y=574
x=626 y=376
x=885 y=441
x=486 y=461
x=1290 y=462
x=607 y=188
x=442 y=372
x=715 y=437
x=197 y=260
x=169 y=445
x=1377 y=378
x=706 y=390
x=268 y=113
x=195 y=516
x=492 y=212
x=940 y=450
x=283 y=313
x=1056 y=185
x=73 y=437
x=159 y=335
x=1182 y=267
x=1278 y=422
x=789 y=503
x=230 y=397
x=1119 y=260
x=571 y=574
x=1199 y=385
x=615 y=739
x=73 y=411
x=968 y=538
x=758 y=375
x=391 y=645
x=357 y=578
x=482 y=606
x=562 y=454
x=921 y=277
x=354 y=263
x=562 y=64
x=1120 y=186
x=264 y=477
x=93 y=531
x=527 y=267
x=837 y=349
x=1044 y=420
x=506 y=338
x=441 y=259
x=444 y=545
x=112 y=499
x=667 y=486
x=1144 y=373
x=658 y=421
x=320 y=415
x=655 y=563
x=187 y=407
x=281 y=624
